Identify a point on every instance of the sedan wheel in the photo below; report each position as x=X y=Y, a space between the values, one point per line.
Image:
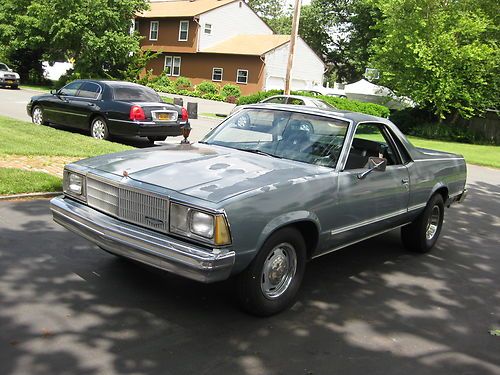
x=37 y=116
x=271 y=282
x=99 y=128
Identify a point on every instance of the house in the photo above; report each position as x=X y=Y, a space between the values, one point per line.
x=223 y=41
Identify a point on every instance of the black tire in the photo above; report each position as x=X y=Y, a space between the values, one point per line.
x=419 y=236
x=38 y=116
x=99 y=128
x=251 y=285
x=158 y=138
x=14 y=87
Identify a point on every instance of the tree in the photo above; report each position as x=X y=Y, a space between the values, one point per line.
x=275 y=13
x=443 y=54
x=93 y=33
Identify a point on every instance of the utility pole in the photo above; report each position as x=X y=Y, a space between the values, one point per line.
x=293 y=39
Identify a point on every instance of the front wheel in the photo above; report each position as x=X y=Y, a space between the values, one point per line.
x=99 y=128
x=271 y=282
x=37 y=116
x=421 y=235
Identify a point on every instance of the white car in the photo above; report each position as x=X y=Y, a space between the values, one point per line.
x=8 y=77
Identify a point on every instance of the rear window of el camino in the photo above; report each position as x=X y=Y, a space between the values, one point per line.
x=135 y=94
x=290 y=135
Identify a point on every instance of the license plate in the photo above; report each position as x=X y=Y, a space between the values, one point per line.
x=165 y=116
x=9 y=81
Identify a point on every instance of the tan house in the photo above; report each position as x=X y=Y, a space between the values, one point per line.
x=223 y=41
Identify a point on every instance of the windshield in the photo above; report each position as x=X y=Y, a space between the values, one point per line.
x=135 y=94
x=4 y=67
x=296 y=136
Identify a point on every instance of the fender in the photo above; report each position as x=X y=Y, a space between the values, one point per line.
x=435 y=188
x=284 y=220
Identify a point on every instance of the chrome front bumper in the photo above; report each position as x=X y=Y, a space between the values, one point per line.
x=143 y=245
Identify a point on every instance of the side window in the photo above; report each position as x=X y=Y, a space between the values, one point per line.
x=89 y=90
x=183 y=31
x=277 y=100
x=153 y=30
x=70 y=89
x=295 y=101
x=370 y=140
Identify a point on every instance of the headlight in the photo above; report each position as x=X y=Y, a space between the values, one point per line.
x=196 y=224
x=74 y=184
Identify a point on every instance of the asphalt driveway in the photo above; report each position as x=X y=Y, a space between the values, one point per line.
x=67 y=308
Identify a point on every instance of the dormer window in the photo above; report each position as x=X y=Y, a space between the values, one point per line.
x=153 y=30
x=208 y=29
x=183 y=31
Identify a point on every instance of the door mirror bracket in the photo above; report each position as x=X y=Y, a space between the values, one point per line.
x=374 y=164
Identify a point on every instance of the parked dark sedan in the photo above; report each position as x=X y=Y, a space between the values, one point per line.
x=108 y=108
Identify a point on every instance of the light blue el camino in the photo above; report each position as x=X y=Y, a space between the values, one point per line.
x=270 y=188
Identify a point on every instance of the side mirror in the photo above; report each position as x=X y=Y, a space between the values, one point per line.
x=374 y=164
x=9 y=69
x=54 y=91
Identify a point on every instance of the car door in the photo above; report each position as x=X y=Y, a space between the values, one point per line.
x=378 y=201
x=60 y=107
x=83 y=104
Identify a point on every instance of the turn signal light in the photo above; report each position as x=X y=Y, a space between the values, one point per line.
x=137 y=113
x=185 y=115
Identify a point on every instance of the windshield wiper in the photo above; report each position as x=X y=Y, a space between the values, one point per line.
x=260 y=152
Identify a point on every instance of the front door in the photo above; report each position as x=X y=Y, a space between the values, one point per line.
x=60 y=106
x=82 y=105
x=379 y=200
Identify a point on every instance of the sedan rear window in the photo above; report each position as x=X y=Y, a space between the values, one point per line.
x=135 y=94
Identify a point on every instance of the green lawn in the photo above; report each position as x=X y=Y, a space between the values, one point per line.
x=37 y=87
x=16 y=181
x=474 y=154
x=25 y=138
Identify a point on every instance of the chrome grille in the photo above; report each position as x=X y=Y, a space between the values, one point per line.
x=138 y=207
x=9 y=76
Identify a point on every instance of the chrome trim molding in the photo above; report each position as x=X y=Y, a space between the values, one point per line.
x=359 y=240
x=438 y=159
x=417 y=206
x=367 y=222
x=143 y=245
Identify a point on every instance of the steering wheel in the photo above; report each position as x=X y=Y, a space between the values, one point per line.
x=242 y=121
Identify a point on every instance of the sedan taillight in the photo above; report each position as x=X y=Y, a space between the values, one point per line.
x=185 y=115
x=137 y=113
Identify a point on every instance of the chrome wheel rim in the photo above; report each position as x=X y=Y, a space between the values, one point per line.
x=98 y=129
x=38 y=116
x=278 y=271
x=433 y=223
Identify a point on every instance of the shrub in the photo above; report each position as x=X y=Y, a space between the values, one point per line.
x=182 y=83
x=231 y=90
x=207 y=87
x=339 y=103
x=213 y=97
x=231 y=99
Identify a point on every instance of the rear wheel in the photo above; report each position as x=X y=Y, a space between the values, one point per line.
x=14 y=87
x=37 y=116
x=99 y=128
x=154 y=139
x=271 y=282
x=421 y=235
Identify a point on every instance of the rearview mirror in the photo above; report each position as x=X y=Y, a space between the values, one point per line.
x=374 y=164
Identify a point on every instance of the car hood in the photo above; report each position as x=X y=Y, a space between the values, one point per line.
x=211 y=173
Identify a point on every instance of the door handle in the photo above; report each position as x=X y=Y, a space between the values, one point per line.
x=91 y=104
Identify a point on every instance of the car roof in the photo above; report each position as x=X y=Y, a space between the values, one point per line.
x=292 y=96
x=110 y=82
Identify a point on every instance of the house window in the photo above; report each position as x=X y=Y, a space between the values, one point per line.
x=136 y=25
x=172 y=65
x=217 y=74
x=183 y=31
x=153 y=30
x=208 y=29
x=168 y=65
x=176 y=67
x=242 y=76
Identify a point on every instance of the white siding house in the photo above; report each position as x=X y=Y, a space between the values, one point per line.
x=227 y=21
x=307 y=71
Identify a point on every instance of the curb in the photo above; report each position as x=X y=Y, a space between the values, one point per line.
x=30 y=195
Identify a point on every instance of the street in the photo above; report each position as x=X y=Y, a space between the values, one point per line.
x=68 y=308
